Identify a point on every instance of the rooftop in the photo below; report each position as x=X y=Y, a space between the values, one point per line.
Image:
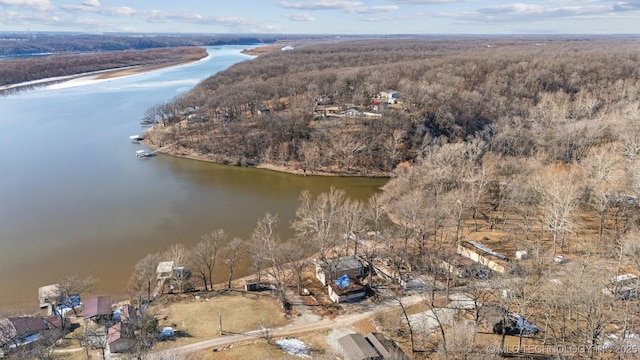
x=346 y=287
x=485 y=251
x=356 y=347
x=98 y=306
x=340 y=264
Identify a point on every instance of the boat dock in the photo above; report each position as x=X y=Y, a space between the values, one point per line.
x=146 y=153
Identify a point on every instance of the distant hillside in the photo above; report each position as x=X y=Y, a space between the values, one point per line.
x=24 y=44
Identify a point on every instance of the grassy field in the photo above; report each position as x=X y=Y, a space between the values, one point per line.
x=198 y=319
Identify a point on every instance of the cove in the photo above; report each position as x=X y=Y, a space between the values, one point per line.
x=75 y=200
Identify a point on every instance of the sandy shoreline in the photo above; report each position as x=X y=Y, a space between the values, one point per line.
x=94 y=76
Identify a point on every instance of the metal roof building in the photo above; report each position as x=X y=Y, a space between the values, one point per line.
x=98 y=306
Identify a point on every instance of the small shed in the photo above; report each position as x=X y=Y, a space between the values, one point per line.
x=514 y=324
x=97 y=308
x=251 y=285
x=332 y=268
x=505 y=321
x=345 y=289
x=120 y=337
x=165 y=270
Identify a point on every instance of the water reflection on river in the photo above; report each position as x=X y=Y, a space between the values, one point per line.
x=74 y=199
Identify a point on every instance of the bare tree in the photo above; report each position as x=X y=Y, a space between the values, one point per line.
x=461 y=337
x=604 y=179
x=204 y=255
x=559 y=189
x=71 y=287
x=231 y=255
x=456 y=204
x=178 y=253
x=351 y=223
x=316 y=219
x=143 y=278
x=479 y=181
x=96 y=338
x=271 y=251
x=631 y=248
x=298 y=260
x=346 y=145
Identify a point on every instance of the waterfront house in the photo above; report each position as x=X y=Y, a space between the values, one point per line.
x=164 y=270
x=345 y=289
x=120 y=337
x=332 y=268
x=352 y=113
x=97 y=309
x=19 y=331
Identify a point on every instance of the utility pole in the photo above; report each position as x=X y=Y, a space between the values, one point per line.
x=220 y=320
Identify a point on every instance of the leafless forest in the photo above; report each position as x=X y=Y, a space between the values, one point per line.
x=504 y=91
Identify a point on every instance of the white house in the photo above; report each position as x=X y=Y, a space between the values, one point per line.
x=345 y=289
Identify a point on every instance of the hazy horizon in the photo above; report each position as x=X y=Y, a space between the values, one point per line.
x=422 y=17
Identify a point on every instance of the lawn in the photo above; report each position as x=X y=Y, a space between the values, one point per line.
x=196 y=319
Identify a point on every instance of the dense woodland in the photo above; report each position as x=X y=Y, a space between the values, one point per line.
x=503 y=90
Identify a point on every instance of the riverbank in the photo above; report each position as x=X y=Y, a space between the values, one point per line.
x=102 y=69
x=292 y=169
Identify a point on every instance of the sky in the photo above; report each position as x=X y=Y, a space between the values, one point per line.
x=324 y=16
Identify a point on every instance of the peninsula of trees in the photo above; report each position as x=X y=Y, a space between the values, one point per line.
x=312 y=109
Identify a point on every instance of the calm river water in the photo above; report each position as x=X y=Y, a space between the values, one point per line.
x=75 y=200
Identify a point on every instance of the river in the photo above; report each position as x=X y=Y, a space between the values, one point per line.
x=75 y=200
